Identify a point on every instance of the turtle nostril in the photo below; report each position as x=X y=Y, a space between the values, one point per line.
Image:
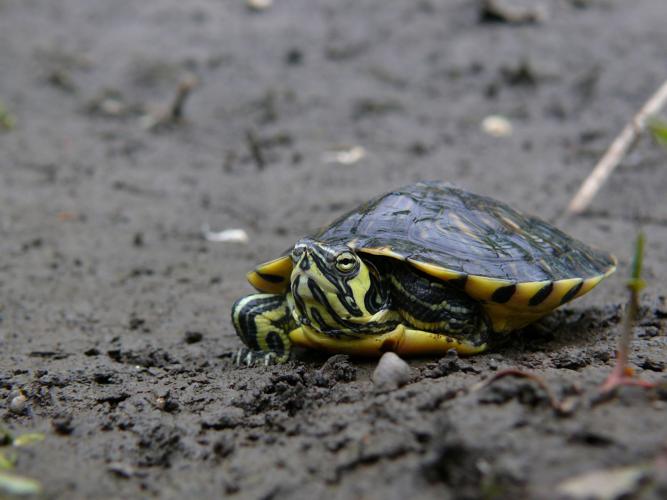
x=298 y=251
x=304 y=264
x=296 y=254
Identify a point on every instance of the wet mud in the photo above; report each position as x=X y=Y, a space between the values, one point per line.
x=115 y=311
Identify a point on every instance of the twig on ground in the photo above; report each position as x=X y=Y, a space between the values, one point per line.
x=182 y=93
x=617 y=151
x=176 y=111
x=562 y=407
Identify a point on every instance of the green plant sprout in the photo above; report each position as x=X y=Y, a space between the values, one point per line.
x=7 y=120
x=658 y=128
x=622 y=373
x=11 y=483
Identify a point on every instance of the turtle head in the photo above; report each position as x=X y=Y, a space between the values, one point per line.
x=334 y=290
x=334 y=261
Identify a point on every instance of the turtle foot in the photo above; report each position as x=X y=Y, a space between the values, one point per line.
x=248 y=357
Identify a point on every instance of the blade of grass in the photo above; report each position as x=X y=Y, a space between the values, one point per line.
x=28 y=438
x=635 y=285
x=658 y=128
x=18 y=485
x=7 y=120
x=7 y=459
x=622 y=373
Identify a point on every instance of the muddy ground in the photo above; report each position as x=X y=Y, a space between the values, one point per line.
x=115 y=311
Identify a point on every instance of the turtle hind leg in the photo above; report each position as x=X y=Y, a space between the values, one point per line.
x=263 y=322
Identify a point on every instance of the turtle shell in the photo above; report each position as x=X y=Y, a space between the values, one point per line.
x=518 y=266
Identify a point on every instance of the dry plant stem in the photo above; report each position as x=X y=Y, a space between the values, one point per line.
x=621 y=375
x=184 y=90
x=616 y=152
x=515 y=372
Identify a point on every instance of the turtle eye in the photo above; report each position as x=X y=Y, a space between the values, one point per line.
x=346 y=262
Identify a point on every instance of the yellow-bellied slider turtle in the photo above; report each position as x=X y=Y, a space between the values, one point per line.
x=421 y=270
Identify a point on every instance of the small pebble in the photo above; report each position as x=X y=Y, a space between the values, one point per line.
x=513 y=11
x=497 y=126
x=18 y=403
x=259 y=5
x=226 y=235
x=121 y=469
x=163 y=401
x=345 y=155
x=391 y=372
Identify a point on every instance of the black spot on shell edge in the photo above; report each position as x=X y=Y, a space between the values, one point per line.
x=541 y=294
x=503 y=294
x=572 y=292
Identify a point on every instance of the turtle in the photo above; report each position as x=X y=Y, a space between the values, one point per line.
x=420 y=270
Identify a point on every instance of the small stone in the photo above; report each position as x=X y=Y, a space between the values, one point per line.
x=391 y=372
x=513 y=11
x=617 y=482
x=103 y=378
x=259 y=5
x=497 y=126
x=601 y=355
x=18 y=403
x=121 y=469
x=571 y=360
x=226 y=235
x=345 y=155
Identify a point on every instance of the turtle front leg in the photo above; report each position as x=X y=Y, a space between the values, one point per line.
x=263 y=322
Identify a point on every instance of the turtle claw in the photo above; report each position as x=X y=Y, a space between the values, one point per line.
x=248 y=357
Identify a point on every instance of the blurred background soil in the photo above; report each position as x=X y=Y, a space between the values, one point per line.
x=114 y=310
